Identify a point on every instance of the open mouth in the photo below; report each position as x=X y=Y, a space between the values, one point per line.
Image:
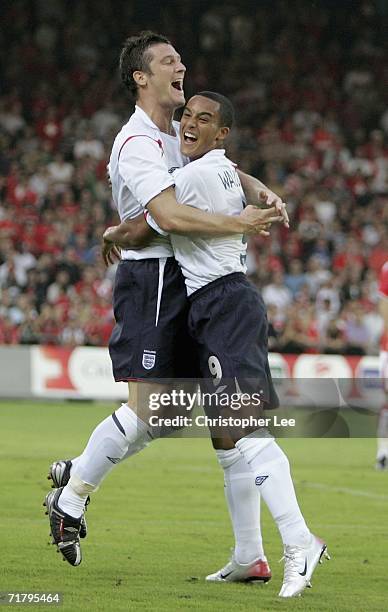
x=189 y=138
x=178 y=85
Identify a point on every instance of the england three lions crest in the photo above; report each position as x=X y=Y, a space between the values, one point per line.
x=149 y=359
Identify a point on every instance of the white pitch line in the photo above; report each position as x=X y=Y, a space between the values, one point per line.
x=354 y=492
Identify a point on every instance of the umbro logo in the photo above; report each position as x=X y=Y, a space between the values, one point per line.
x=260 y=479
x=114 y=459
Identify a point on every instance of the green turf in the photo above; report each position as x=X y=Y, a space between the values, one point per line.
x=159 y=523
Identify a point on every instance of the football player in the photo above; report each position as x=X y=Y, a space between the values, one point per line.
x=150 y=341
x=227 y=321
x=382 y=429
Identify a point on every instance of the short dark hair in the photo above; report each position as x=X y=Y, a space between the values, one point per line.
x=226 y=107
x=134 y=56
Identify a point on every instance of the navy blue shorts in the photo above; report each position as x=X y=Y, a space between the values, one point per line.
x=228 y=322
x=150 y=339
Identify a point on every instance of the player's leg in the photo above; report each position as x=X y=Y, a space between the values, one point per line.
x=242 y=351
x=248 y=561
x=150 y=305
x=271 y=471
x=382 y=426
x=242 y=496
x=382 y=440
x=119 y=436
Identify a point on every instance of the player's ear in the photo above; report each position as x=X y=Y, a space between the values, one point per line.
x=140 y=78
x=223 y=133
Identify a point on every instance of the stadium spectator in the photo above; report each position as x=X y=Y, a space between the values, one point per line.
x=333 y=342
x=88 y=146
x=274 y=327
x=60 y=173
x=316 y=274
x=300 y=333
x=355 y=330
x=295 y=279
x=277 y=293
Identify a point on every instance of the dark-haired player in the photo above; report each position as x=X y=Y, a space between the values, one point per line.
x=149 y=341
x=227 y=320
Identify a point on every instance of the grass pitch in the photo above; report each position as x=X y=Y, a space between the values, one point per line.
x=159 y=523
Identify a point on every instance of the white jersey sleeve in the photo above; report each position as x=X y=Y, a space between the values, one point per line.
x=152 y=223
x=143 y=169
x=140 y=167
x=191 y=190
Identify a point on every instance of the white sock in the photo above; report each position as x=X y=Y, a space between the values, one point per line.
x=243 y=500
x=272 y=475
x=132 y=450
x=382 y=432
x=74 y=463
x=110 y=442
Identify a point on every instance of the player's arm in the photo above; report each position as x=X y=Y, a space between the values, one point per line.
x=144 y=171
x=257 y=193
x=133 y=233
x=174 y=218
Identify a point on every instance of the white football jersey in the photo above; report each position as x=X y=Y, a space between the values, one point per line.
x=210 y=183
x=140 y=167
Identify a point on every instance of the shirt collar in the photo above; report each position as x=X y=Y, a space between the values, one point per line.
x=214 y=153
x=144 y=117
x=148 y=121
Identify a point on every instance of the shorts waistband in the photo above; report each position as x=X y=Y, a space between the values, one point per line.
x=218 y=281
x=167 y=258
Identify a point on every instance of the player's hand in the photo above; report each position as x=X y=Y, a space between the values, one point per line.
x=269 y=198
x=259 y=220
x=265 y=230
x=109 y=251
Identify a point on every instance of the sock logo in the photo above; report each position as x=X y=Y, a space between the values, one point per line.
x=260 y=479
x=148 y=360
x=114 y=459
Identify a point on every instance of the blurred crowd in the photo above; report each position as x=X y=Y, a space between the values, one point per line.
x=312 y=123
